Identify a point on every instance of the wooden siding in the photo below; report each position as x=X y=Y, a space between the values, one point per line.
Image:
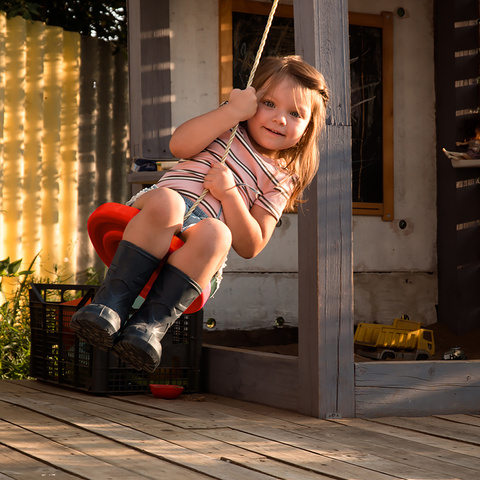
x=63 y=141
x=150 y=91
x=458 y=206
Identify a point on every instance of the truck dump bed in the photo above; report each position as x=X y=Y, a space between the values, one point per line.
x=403 y=336
x=381 y=336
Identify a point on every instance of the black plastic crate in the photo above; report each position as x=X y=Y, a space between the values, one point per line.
x=59 y=356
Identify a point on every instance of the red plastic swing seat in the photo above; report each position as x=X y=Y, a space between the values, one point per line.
x=105 y=228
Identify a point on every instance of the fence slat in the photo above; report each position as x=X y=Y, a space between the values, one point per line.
x=103 y=151
x=3 y=35
x=51 y=148
x=120 y=187
x=86 y=150
x=13 y=135
x=32 y=207
x=69 y=141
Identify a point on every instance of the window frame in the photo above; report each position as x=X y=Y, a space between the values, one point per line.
x=384 y=21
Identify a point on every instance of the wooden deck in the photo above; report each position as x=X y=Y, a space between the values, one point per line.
x=46 y=431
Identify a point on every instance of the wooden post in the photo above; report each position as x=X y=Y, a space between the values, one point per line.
x=326 y=368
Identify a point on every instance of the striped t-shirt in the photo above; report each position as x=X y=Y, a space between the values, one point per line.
x=259 y=179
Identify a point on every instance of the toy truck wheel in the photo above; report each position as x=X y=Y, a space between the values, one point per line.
x=422 y=356
x=388 y=356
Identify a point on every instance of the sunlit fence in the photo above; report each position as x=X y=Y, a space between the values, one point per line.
x=63 y=142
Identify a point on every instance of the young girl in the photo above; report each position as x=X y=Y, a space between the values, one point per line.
x=271 y=160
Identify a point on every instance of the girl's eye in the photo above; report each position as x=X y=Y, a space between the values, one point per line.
x=295 y=114
x=268 y=103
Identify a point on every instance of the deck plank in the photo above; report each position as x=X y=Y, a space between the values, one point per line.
x=92 y=445
x=466 y=419
x=65 y=458
x=15 y=465
x=198 y=442
x=323 y=461
x=437 y=427
x=413 y=449
x=138 y=440
x=186 y=439
x=228 y=449
x=412 y=458
x=76 y=435
x=459 y=451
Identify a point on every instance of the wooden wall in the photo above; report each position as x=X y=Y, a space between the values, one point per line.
x=149 y=70
x=458 y=203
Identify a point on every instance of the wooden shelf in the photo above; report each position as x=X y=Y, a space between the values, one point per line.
x=465 y=162
x=145 y=177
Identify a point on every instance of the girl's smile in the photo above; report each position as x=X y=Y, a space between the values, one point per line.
x=282 y=116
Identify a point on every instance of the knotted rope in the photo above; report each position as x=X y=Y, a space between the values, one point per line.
x=249 y=83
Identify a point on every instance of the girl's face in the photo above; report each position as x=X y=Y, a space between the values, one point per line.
x=282 y=116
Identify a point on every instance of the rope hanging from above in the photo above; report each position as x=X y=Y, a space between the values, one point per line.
x=249 y=83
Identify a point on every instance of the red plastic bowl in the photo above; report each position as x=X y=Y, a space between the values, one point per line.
x=166 y=391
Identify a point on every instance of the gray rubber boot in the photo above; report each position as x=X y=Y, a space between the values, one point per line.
x=139 y=341
x=130 y=270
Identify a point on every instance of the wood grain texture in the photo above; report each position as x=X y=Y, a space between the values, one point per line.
x=325 y=235
x=51 y=431
x=417 y=388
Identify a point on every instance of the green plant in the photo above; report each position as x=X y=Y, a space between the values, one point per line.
x=14 y=321
x=15 y=314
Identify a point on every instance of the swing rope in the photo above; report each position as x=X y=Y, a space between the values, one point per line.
x=249 y=83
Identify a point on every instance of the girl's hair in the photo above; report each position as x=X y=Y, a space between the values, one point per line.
x=302 y=159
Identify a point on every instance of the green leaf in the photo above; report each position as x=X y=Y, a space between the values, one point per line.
x=14 y=267
x=3 y=266
x=26 y=272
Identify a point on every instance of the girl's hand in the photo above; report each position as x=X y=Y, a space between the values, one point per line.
x=197 y=133
x=219 y=180
x=243 y=102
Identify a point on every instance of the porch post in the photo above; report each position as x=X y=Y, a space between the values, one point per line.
x=326 y=368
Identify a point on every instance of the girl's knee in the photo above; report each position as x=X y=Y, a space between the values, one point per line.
x=162 y=203
x=209 y=234
x=219 y=231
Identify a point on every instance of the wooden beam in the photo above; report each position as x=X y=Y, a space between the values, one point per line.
x=417 y=388
x=326 y=368
x=261 y=377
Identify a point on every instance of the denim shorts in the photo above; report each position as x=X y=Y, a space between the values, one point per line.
x=196 y=216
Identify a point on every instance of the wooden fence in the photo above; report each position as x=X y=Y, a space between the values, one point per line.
x=63 y=143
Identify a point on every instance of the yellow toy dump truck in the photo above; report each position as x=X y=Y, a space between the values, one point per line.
x=404 y=339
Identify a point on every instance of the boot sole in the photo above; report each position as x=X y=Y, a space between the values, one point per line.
x=139 y=354
x=96 y=325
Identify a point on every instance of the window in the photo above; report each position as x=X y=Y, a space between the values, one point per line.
x=371 y=58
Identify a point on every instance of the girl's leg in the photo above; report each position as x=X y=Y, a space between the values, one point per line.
x=189 y=269
x=160 y=217
x=146 y=240
x=129 y=271
x=206 y=246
